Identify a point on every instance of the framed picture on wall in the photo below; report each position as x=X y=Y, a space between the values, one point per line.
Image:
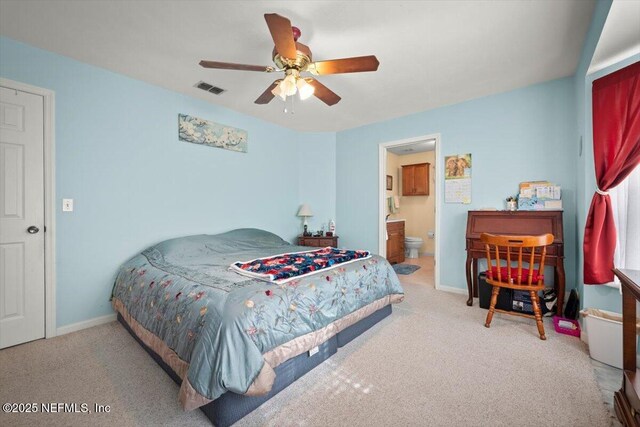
x=389 y=182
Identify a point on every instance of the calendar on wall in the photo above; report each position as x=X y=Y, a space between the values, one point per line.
x=457 y=178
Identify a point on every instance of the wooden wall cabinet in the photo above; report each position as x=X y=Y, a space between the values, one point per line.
x=395 y=243
x=415 y=179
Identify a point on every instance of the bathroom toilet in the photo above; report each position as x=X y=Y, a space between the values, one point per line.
x=412 y=246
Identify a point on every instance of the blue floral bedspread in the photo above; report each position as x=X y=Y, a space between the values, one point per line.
x=282 y=268
x=220 y=322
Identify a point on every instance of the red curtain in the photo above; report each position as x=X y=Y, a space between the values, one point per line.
x=616 y=149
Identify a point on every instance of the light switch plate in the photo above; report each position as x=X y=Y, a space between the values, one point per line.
x=67 y=205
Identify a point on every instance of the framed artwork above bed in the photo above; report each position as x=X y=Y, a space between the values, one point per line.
x=201 y=131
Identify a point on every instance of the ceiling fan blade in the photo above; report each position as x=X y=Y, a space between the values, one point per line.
x=267 y=96
x=232 y=66
x=280 y=28
x=345 y=65
x=323 y=93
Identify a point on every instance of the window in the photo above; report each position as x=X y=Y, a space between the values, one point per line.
x=625 y=201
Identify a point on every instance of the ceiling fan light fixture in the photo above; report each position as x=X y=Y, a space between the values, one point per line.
x=277 y=91
x=288 y=85
x=305 y=89
x=295 y=58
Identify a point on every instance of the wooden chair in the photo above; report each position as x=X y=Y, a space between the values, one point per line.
x=513 y=249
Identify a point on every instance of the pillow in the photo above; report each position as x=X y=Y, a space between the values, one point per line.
x=254 y=236
x=183 y=249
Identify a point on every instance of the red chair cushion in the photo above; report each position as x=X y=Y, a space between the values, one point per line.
x=514 y=275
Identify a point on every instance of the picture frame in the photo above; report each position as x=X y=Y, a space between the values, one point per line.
x=200 y=131
x=389 y=182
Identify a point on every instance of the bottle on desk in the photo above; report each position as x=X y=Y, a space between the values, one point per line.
x=332 y=228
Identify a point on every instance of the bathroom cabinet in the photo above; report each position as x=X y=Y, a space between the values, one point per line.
x=395 y=242
x=415 y=179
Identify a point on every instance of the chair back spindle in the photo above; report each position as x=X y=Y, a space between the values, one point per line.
x=499 y=249
x=529 y=278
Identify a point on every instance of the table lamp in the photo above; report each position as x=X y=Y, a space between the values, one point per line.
x=305 y=212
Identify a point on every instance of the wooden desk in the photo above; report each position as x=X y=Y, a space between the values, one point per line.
x=626 y=401
x=516 y=223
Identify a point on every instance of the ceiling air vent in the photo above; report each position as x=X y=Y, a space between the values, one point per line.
x=209 y=88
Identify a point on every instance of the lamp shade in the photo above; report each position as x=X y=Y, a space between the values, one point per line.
x=305 y=210
x=305 y=89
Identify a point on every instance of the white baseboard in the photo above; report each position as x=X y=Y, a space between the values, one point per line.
x=74 y=327
x=451 y=289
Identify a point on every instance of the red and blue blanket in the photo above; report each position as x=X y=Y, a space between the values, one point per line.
x=284 y=267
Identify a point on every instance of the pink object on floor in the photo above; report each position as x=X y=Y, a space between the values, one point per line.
x=561 y=330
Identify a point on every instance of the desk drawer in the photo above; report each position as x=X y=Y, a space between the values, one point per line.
x=476 y=245
x=324 y=242
x=318 y=242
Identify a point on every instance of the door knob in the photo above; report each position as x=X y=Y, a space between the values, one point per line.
x=33 y=229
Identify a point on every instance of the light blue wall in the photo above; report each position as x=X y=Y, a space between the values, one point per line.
x=525 y=134
x=134 y=183
x=585 y=177
x=317 y=187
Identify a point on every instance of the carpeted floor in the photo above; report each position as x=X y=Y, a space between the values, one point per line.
x=432 y=362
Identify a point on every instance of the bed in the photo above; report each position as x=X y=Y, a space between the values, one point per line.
x=232 y=341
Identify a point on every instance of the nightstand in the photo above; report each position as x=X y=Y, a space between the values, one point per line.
x=318 y=242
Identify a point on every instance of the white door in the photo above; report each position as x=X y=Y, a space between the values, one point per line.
x=22 y=287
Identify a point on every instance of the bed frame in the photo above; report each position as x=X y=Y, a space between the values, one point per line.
x=231 y=407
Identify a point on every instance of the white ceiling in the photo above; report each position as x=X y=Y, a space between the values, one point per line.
x=431 y=53
x=418 y=147
x=620 y=38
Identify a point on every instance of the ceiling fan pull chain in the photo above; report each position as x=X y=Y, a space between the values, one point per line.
x=286 y=110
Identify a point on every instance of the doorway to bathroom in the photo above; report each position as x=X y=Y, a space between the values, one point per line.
x=409 y=207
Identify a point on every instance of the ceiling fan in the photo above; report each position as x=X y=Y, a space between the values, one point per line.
x=295 y=58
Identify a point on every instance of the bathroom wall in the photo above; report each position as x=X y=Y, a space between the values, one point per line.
x=418 y=211
x=392 y=169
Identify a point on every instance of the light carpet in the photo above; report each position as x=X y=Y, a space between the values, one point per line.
x=432 y=362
